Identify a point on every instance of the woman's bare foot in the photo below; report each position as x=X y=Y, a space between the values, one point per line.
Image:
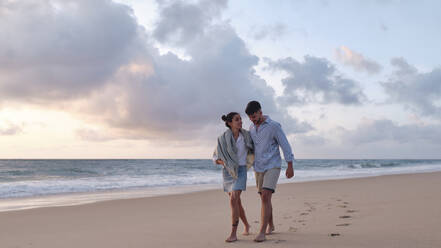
x=231 y=239
x=260 y=237
x=270 y=229
x=247 y=230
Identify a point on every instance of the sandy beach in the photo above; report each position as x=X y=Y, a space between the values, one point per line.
x=384 y=211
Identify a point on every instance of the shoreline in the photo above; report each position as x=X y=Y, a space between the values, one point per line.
x=83 y=198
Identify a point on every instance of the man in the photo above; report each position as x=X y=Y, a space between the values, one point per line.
x=267 y=136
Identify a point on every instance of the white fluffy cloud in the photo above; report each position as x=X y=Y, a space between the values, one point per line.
x=316 y=80
x=8 y=128
x=94 y=58
x=62 y=49
x=381 y=138
x=356 y=60
x=274 y=32
x=181 y=22
x=387 y=130
x=418 y=91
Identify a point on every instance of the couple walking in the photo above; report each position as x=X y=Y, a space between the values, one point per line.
x=238 y=149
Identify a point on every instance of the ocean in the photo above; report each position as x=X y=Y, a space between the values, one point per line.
x=39 y=183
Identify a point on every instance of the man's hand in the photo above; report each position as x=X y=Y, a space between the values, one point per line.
x=290 y=170
x=219 y=161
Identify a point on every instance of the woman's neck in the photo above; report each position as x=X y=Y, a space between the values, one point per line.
x=235 y=133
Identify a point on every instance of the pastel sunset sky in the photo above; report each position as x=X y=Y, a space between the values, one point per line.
x=151 y=79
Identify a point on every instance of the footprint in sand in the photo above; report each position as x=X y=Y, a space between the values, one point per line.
x=256 y=221
x=334 y=234
x=292 y=229
x=345 y=217
x=343 y=206
x=279 y=241
x=310 y=206
x=300 y=221
x=344 y=224
x=351 y=211
x=304 y=213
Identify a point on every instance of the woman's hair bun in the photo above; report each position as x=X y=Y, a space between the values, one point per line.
x=229 y=118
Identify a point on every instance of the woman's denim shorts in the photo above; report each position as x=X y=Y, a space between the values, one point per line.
x=231 y=184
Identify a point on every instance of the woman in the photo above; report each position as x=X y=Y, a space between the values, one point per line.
x=234 y=152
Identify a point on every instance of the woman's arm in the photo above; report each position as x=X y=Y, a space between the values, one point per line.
x=216 y=159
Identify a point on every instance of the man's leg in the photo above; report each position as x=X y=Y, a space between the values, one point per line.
x=266 y=183
x=265 y=214
x=270 y=229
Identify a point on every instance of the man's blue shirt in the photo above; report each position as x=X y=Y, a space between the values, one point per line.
x=267 y=138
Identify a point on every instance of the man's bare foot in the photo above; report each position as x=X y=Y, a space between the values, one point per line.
x=260 y=237
x=231 y=239
x=247 y=230
x=270 y=230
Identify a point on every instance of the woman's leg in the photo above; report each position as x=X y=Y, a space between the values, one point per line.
x=243 y=217
x=235 y=213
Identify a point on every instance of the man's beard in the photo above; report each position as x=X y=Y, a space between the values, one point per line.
x=259 y=121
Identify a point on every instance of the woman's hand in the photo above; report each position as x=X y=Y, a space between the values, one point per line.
x=219 y=161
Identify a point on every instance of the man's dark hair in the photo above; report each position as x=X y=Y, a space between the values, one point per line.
x=252 y=107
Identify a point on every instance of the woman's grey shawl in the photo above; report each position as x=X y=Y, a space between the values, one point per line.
x=227 y=151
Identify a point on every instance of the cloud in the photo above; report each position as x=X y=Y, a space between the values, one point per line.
x=93 y=135
x=382 y=138
x=387 y=130
x=418 y=91
x=62 y=49
x=181 y=22
x=273 y=32
x=182 y=96
x=311 y=140
x=92 y=59
x=316 y=81
x=9 y=129
x=356 y=60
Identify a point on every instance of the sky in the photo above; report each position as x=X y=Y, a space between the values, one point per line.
x=151 y=79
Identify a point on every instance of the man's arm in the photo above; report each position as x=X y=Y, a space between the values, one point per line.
x=290 y=170
x=287 y=152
